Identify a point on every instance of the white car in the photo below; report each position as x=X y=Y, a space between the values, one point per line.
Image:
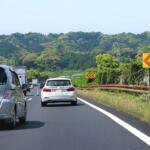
x=58 y=90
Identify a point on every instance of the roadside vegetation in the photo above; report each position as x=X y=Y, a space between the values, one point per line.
x=135 y=105
x=80 y=81
x=42 y=75
x=110 y=70
x=72 y=50
x=117 y=58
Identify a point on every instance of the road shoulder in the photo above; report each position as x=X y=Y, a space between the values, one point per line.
x=142 y=126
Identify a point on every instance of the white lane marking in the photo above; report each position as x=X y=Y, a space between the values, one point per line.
x=145 y=138
x=29 y=99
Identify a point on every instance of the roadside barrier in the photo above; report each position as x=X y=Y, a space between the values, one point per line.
x=120 y=87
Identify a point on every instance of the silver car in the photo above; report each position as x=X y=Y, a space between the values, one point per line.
x=58 y=90
x=12 y=99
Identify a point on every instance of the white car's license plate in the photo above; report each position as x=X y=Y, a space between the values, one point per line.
x=59 y=90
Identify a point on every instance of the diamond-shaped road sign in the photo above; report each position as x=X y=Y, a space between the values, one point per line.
x=146 y=60
x=90 y=75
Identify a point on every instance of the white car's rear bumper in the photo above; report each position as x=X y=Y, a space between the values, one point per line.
x=59 y=99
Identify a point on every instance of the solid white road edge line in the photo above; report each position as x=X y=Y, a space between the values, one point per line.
x=29 y=99
x=145 y=138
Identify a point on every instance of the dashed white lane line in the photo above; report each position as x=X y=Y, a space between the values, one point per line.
x=29 y=99
x=143 y=137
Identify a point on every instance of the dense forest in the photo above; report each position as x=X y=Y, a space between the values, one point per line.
x=73 y=50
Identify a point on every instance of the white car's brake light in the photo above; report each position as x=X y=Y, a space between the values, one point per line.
x=46 y=90
x=71 y=89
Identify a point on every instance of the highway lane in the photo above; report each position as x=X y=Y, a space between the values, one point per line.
x=66 y=127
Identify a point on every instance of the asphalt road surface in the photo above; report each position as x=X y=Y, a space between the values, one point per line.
x=66 y=127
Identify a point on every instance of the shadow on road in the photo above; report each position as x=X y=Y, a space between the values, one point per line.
x=27 y=125
x=62 y=105
x=30 y=125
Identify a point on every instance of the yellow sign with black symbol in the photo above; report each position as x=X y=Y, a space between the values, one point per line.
x=90 y=75
x=146 y=60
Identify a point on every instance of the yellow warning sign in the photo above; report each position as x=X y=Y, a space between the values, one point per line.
x=146 y=60
x=90 y=75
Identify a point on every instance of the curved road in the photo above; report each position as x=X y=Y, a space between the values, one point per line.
x=66 y=127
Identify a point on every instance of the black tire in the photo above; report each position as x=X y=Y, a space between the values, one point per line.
x=43 y=104
x=74 y=103
x=22 y=119
x=12 y=121
x=25 y=93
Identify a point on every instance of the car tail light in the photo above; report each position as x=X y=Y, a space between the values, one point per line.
x=70 y=89
x=46 y=90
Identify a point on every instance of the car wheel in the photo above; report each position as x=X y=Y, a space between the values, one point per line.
x=12 y=122
x=22 y=119
x=43 y=104
x=74 y=103
x=25 y=93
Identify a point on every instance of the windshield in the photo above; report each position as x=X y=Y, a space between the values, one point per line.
x=58 y=83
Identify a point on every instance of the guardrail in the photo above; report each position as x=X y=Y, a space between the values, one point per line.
x=121 y=87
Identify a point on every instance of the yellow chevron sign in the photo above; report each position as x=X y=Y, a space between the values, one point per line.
x=90 y=75
x=146 y=60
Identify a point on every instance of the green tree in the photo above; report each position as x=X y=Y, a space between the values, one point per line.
x=32 y=73
x=28 y=59
x=48 y=60
x=44 y=75
x=108 y=69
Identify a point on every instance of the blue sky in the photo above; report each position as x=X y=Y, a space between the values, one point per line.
x=56 y=16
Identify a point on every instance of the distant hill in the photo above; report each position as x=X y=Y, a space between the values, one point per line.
x=14 y=47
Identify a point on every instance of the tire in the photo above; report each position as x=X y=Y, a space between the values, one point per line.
x=25 y=93
x=43 y=104
x=22 y=119
x=12 y=121
x=74 y=103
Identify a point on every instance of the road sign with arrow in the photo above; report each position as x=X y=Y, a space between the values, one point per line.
x=146 y=63
x=146 y=60
x=90 y=75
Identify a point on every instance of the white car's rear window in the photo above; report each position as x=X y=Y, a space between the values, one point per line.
x=58 y=83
